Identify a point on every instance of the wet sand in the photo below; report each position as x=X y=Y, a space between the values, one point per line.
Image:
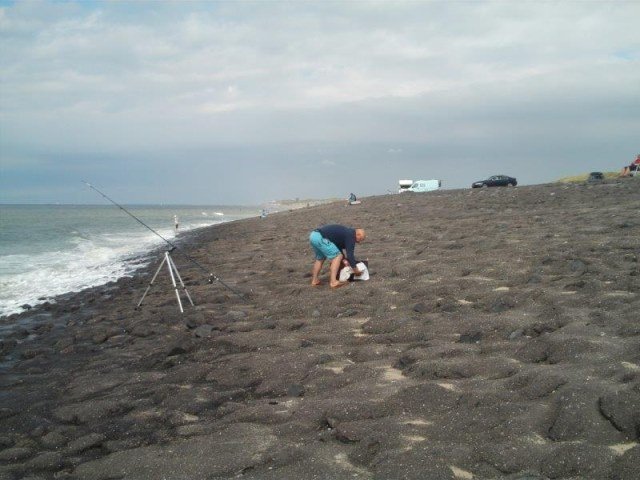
x=498 y=337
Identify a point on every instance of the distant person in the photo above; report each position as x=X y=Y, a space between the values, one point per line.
x=336 y=243
x=176 y=222
x=635 y=165
x=353 y=200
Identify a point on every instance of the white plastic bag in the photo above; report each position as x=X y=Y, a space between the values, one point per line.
x=345 y=273
x=365 y=272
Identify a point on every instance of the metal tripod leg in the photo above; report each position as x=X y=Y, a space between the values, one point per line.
x=153 y=279
x=172 y=268
x=175 y=269
x=173 y=281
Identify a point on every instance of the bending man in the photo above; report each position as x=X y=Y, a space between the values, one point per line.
x=334 y=242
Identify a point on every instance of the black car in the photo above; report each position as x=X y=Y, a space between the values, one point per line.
x=496 y=181
x=595 y=177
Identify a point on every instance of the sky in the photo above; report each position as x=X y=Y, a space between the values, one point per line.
x=246 y=102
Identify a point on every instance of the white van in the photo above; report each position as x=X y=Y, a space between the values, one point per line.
x=424 y=186
x=404 y=185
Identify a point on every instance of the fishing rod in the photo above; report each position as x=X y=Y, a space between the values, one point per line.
x=211 y=276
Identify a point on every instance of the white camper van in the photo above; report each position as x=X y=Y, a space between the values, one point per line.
x=404 y=185
x=424 y=186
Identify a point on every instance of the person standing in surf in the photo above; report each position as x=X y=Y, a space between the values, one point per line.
x=336 y=243
x=176 y=222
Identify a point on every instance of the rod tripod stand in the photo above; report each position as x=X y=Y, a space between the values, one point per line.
x=172 y=269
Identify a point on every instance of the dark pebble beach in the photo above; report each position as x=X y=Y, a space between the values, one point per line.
x=497 y=338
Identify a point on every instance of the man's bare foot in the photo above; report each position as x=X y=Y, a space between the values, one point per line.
x=316 y=283
x=338 y=284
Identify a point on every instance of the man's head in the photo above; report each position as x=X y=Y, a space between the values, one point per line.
x=360 y=235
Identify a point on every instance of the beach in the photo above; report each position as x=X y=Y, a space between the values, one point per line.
x=498 y=337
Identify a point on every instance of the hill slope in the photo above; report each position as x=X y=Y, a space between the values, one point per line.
x=498 y=337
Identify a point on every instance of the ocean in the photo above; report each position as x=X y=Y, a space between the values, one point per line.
x=49 y=250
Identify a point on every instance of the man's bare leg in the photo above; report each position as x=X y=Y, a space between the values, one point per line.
x=317 y=266
x=334 y=268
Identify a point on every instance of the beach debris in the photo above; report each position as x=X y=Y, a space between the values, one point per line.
x=86 y=442
x=236 y=315
x=203 y=331
x=324 y=358
x=577 y=266
x=46 y=461
x=99 y=337
x=35 y=352
x=474 y=337
x=15 y=454
x=91 y=410
x=53 y=440
x=516 y=334
x=295 y=390
x=420 y=308
x=346 y=435
x=500 y=304
x=142 y=331
x=622 y=409
x=460 y=473
x=177 y=350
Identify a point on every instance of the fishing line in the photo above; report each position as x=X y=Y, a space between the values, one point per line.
x=211 y=276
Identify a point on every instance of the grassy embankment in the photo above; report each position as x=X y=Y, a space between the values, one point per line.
x=584 y=176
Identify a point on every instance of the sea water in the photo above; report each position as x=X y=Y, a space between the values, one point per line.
x=49 y=250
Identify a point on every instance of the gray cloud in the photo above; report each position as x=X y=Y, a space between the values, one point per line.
x=243 y=101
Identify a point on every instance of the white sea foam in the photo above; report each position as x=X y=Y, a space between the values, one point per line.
x=33 y=279
x=46 y=251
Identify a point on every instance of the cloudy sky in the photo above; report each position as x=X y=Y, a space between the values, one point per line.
x=243 y=102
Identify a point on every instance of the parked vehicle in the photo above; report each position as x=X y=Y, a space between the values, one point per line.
x=404 y=185
x=496 y=181
x=424 y=186
x=596 y=177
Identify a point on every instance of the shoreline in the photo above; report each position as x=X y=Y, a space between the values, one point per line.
x=281 y=206
x=145 y=257
x=39 y=316
x=496 y=338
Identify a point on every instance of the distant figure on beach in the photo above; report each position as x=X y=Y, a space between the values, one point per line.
x=353 y=200
x=263 y=213
x=176 y=222
x=635 y=165
x=336 y=243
